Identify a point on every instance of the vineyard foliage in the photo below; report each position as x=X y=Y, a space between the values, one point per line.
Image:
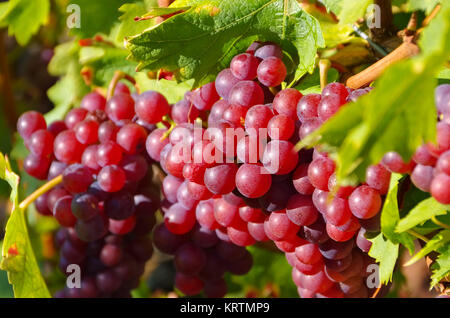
x=198 y=41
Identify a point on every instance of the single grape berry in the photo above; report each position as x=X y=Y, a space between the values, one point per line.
x=253 y=180
x=179 y=220
x=111 y=178
x=85 y=206
x=120 y=206
x=244 y=66
x=365 y=202
x=75 y=116
x=286 y=101
x=63 y=213
x=37 y=166
x=271 y=72
x=184 y=112
x=225 y=81
x=109 y=153
x=269 y=50
x=67 y=148
x=77 y=178
x=93 y=101
x=307 y=107
x=281 y=127
x=394 y=163
x=30 y=122
x=320 y=171
x=151 y=107
x=89 y=158
x=86 y=131
x=120 y=107
x=257 y=117
x=132 y=138
x=204 y=97
x=40 y=143
x=247 y=94
x=280 y=157
x=107 y=131
x=221 y=178
x=440 y=188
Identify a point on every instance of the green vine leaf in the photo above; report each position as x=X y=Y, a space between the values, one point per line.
x=24 y=18
x=421 y=213
x=385 y=252
x=128 y=26
x=441 y=267
x=390 y=216
x=214 y=31
x=348 y=11
x=310 y=83
x=70 y=88
x=439 y=240
x=18 y=258
x=426 y=5
x=97 y=16
x=173 y=91
x=105 y=61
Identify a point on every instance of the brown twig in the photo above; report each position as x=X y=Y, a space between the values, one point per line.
x=412 y=23
x=406 y=50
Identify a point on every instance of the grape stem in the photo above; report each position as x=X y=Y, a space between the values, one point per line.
x=167 y=133
x=274 y=90
x=417 y=235
x=324 y=67
x=439 y=223
x=431 y=16
x=118 y=75
x=40 y=191
x=376 y=292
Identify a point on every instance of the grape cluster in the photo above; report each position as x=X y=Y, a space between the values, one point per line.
x=258 y=188
x=431 y=172
x=232 y=179
x=106 y=203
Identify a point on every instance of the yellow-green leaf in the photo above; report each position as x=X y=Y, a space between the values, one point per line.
x=18 y=258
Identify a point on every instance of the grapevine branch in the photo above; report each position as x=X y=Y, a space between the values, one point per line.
x=406 y=50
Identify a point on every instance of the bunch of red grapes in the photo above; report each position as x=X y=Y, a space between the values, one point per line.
x=432 y=161
x=106 y=203
x=229 y=184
